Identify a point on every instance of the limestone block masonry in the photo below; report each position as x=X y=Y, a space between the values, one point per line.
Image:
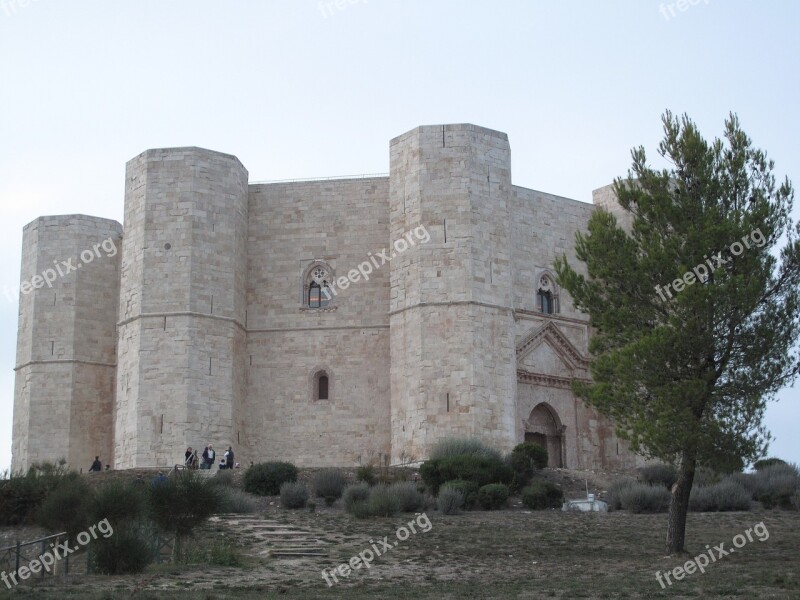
x=221 y=319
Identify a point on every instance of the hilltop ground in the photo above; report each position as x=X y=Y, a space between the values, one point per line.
x=514 y=553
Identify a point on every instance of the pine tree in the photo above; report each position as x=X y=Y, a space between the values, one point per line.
x=695 y=304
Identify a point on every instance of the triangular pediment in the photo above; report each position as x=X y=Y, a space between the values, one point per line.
x=547 y=351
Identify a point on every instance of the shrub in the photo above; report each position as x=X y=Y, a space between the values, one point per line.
x=223 y=478
x=469 y=489
x=773 y=485
x=450 y=447
x=366 y=474
x=329 y=484
x=450 y=501
x=361 y=510
x=66 y=508
x=796 y=500
x=664 y=475
x=127 y=551
x=643 y=498
x=236 y=501
x=265 y=479
x=381 y=502
x=294 y=494
x=541 y=495
x=120 y=502
x=357 y=493
x=21 y=495
x=480 y=469
x=724 y=496
x=705 y=476
x=768 y=462
x=409 y=499
x=493 y=496
x=614 y=493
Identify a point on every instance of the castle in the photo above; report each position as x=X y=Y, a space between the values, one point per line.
x=326 y=322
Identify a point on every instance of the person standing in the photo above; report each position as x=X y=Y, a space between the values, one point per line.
x=97 y=466
x=229 y=457
x=204 y=463
x=188 y=458
x=211 y=456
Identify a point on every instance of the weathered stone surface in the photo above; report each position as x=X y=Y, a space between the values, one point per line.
x=200 y=331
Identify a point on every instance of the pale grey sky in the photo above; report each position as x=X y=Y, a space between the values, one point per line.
x=299 y=88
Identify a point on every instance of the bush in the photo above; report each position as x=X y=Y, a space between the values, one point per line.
x=329 y=484
x=724 y=496
x=182 y=502
x=480 y=469
x=796 y=500
x=127 y=551
x=773 y=485
x=294 y=494
x=223 y=478
x=265 y=479
x=21 y=495
x=493 y=496
x=469 y=489
x=381 y=502
x=643 y=498
x=409 y=499
x=237 y=502
x=542 y=495
x=614 y=493
x=768 y=462
x=450 y=501
x=366 y=474
x=357 y=493
x=705 y=476
x=121 y=503
x=664 y=475
x=450 y=447
x=67 y=507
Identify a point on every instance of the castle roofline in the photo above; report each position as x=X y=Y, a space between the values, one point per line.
x=68 y=220
x=151 y=153
x=449 y=127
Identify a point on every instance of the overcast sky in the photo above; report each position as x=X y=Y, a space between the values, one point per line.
x=300 y=88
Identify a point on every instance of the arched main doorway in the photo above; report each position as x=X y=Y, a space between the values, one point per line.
x=544 y=428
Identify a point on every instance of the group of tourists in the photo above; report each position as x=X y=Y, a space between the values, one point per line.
x=207 y=459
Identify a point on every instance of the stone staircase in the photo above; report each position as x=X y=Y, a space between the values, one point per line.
x=271 y=539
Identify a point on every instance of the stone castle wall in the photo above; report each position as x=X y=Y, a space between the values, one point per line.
x=199 y=331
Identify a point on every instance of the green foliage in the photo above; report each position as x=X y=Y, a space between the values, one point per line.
x=357 y=493
x=705 y=476
x=477 y=468
x=382 y=503
x=408 y=497
x=723 y=496
x=366 y=473
x=643 y=498
x=469 y=489
x=183 y=501
x=223 y=478
x=122 y=503
x=67 y=507
x=614 y=492
x=450 y=501
x=236 y=501
x=493 y=496
x=127 y=551
x=265 y=479
x=768 y=462
x=660 y=474
x=772 y=485
x=525 y=460
x=450 y=447
x=218 y=554
x=294 y=494
x=541 y=495
x=329 y=484
x=21 y=495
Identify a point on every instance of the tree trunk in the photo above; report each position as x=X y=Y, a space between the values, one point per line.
x=679 y=505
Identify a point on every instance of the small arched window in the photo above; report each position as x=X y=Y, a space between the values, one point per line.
x=547 y=296
x=321 y=386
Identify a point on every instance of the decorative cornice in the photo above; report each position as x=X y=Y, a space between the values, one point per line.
x=560 y=343
x=553 y=381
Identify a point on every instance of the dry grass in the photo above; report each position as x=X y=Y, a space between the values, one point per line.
x=481 y=555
